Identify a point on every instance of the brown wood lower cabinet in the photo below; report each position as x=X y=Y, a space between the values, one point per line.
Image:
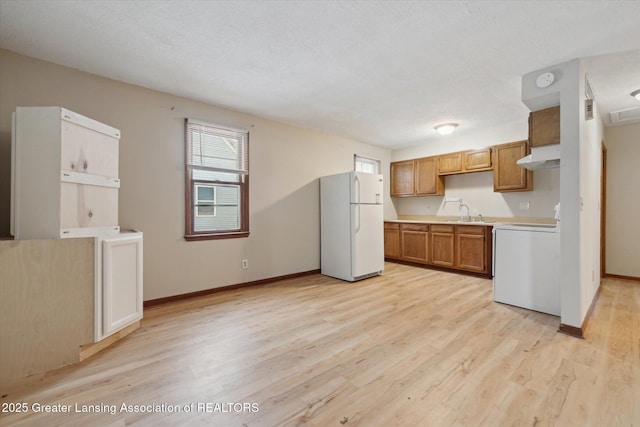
x=459 y=247
x=471 y=248
x=392 y=240
x=442 y=245
x=414 y=243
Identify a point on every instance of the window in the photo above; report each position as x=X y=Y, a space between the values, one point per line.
x=205 y=202
x=217 y=182
x=364 y=164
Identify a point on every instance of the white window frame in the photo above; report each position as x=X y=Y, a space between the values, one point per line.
x=198 y=201
x=237 y=174
x=360 y=162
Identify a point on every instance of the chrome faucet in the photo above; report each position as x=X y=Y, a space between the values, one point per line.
x=468 y=218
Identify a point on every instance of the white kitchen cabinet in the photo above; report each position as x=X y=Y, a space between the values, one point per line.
x=88 y=147
x=64 y=174
x=64 y=184
x=121 y=298
x=86 y=206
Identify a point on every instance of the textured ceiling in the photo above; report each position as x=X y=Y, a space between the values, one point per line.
x=383 y=72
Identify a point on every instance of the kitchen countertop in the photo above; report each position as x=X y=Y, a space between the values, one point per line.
x=487 y=221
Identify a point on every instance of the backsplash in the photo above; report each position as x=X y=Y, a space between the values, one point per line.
x=476 y=191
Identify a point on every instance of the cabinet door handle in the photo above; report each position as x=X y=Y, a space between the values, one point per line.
x=85 y=165
x=73 y=165
x=90 y=214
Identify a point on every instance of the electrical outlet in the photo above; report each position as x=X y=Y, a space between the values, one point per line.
x=245 y=264
x=524 y=206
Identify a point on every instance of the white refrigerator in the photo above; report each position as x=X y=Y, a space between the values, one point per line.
x=351 y=226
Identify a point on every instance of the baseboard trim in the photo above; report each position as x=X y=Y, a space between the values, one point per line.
x=89 y=350
x=592 y=307
x=180 y=297
x=620 y=277
x=571 y=330
x=579 y=332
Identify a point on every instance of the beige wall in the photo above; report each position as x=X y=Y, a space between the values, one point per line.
x=476 y=189
x=623 y=203
x=286 y=163
x=591 y=137
x=46 y=304
x=579 y=184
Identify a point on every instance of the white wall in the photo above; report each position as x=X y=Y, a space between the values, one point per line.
x=285 y=162
x=476 y=189
x=591 y=138
x=580 y=175
x=623 y=202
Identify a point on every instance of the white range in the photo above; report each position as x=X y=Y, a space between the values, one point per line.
x=526 y=266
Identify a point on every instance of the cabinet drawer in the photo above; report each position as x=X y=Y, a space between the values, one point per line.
x=415 y=227
x=87 y=206
x=441 y=228
x=391 y=226
x=87 y=151
x=470 y=229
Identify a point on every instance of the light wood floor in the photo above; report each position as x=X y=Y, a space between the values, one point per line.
x=411 y=348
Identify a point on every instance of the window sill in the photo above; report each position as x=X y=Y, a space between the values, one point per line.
x=216 y=236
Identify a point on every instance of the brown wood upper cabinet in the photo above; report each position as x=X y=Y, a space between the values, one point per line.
x=428 y=182
x=450 y=163
x=465 y=161
x=416 y=177
x=544 y=127
x=508 y=176
x=477 y=160
x=402 y=178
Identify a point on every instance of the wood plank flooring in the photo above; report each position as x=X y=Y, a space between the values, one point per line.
x=413 y=347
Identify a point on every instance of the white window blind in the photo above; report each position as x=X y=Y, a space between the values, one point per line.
x=214 y=149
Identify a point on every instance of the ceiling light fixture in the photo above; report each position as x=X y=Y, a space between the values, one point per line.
x=636 y=94
x=446 y=128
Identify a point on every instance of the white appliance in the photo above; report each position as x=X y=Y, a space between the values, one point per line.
x=544 y=157
x=351 y=226
x=526 y=266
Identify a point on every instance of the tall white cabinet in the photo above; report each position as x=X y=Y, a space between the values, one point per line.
x=64 y=184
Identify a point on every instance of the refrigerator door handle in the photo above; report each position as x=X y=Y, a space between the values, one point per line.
x=357 y=228
x=356 y=186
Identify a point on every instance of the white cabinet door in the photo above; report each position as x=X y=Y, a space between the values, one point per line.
x=121 y=281
x=85 y=150
x=87 y=206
